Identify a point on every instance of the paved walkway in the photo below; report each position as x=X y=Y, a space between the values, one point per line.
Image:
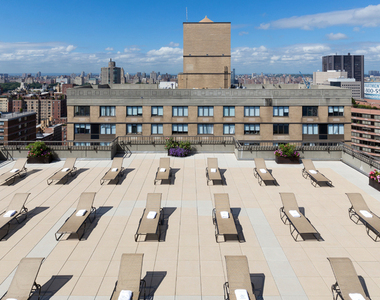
x=189 y=264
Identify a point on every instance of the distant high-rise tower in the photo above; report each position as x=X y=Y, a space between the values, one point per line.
x=206 y=55
x=233 y=76
x=112 y=74
x=352 y=64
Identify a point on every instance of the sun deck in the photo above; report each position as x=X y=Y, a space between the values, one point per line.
x=188 y=263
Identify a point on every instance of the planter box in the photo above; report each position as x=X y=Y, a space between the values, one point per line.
x=287 y=160
x=40 y=160
x=374 y=184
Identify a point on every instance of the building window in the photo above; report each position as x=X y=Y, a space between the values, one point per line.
x=1 y=138
x=82 y=144
x=107 y=128
x=107 y=111
x=1 y=129
x=336 y=111
x=180 y=129
x=228 y=128
x=205 y=128
x=157 y=110
x=134 y=110
x=81 y=110
x=251 y=128
x=310 y=111
x=1 y=123
x=104 y=144
x=205 y=111
x=134 y=128
x=280 y=111
x=228 y=111
x=157 y=129
x=280 y=128
x=82 y=128
x=310 y=129
x=180 y=111
x=336 y=129
x=251 y=111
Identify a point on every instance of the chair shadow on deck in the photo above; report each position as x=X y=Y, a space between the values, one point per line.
x=21 y=178
x=124 y=174
x=167 y=212
x=235 y=213
x=153 y=281
x=17 y=226
x=70 y=178
x=364 y=285
x=309 y=236
x=102 y=210
x=258 y=280
x=52 y=286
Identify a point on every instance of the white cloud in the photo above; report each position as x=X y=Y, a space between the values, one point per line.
x=172 y=44
x=243 y=32
x=336 y=36
x=367 y=17
x=356 y=29
x=109 y=49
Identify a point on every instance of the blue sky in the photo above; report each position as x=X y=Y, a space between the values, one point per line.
x=266 y=36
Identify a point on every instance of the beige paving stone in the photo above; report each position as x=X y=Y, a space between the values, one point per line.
x=87 y=286
x=188 y=286
x=212 y=285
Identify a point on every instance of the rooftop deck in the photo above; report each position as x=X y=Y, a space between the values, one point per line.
x=188 y=264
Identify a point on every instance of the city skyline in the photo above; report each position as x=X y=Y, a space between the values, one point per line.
x=149 y=36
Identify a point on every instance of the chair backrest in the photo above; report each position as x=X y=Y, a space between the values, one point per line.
x=212 y=162
x=153 y=201
x=238 y=275
x=357 y=201
x=308 y=164
x=86 y=201
x=289 y=201
x=130 y=271
x=222 y=202
x=346 y=276
x=20 y=163
x=165 y=162
x=260 y=163
x=117 y=162
x=24 y=278
x=69 y=163
x=18 y=201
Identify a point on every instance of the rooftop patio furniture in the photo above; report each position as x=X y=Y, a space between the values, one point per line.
x=17 y=170
x=315 y=176
x=223 y=218
x=239 y=281
x=79 y=217
x=360 y=210
x=115 y=171
x=14 y=211
x=24 y=284
x=213 y=171
x=129 y=280
x=262 y=173
x=67 y=170
x=347 y=286
x=299 y=225
x=164 y=170
x=152 y=217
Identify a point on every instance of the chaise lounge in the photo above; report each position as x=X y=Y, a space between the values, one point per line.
x=315 y=176
x=213 y=171
x=18 y=170
x=239 y=285
x=115 y=171
x=347 y=285
x=129 y=284
x=15 y=209
x=297 y=221
x=79 y=217
x=67 y=170
x=164 y=170
x=262 y=173
x=223 y=218
x=361 y=211
x=24 y=284
x=152 y=217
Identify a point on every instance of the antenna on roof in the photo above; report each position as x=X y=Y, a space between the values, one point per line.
x=186 y=15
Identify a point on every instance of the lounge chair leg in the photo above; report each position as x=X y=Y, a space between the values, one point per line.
x=226 y=291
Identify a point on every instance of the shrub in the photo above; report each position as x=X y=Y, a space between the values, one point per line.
x=38 y=149
x=375 y=175
x=286 y=150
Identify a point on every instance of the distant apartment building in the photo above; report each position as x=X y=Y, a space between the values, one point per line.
x=17 y=126
x=98 y=114
x=352 y=64
x=5 y=104
x=111 y=74
x=206 y=55
x=348 y=83
x=373 y=73
x=323 y=77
